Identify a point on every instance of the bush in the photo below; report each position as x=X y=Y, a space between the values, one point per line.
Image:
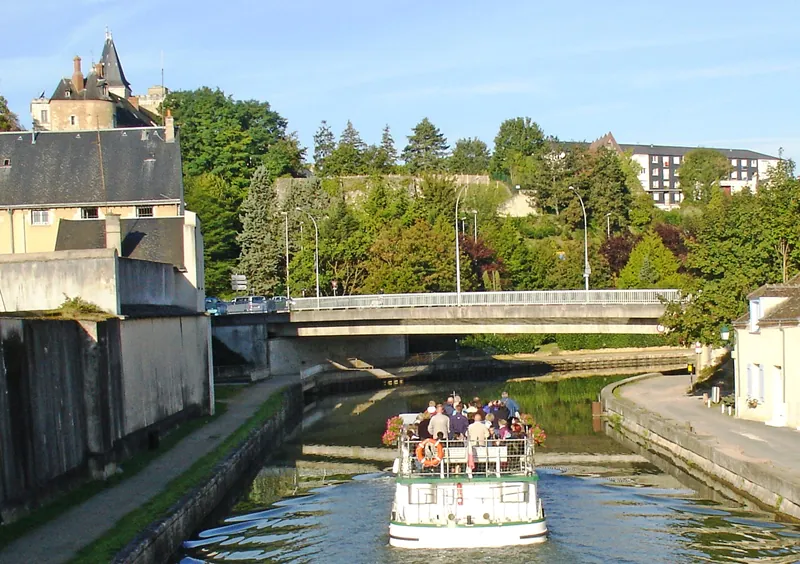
x=78 y=305
x=506 y=344
x=574 y=342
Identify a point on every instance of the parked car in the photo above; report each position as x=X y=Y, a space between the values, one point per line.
x=282 y=304
x=216 y=306
x=251 y=304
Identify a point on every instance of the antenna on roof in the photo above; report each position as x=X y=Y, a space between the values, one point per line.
x=162 y=72
x=108 y=33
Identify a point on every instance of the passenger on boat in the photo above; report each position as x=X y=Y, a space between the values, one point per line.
x=512 y=405
x=449 y=407
x=502 y=430
x=422 y=429
x=501 y=411
x=458 y=423
x=439 y=423
x=477 y=432
x=431 y=407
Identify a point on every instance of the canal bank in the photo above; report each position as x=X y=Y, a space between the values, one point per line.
x=653 y=412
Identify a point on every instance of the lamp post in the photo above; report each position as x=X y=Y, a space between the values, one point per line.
x=286 y=246
x=460 y=193
x=586 y=269
x=475 y=225
x=608 y=225
x=463 y=225
x=316 y=249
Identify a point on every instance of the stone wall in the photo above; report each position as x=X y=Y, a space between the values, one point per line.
x=76 y=397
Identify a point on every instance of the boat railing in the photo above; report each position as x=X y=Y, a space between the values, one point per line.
x=432 y=458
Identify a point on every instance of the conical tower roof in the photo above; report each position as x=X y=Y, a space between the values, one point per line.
x=112 y=68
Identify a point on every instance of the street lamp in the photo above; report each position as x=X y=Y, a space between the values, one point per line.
x=316 y=248
x=586 y=269
x=286 y=246
x=461 y=192
x=475 y=225
x=463 y=225
x=608 y=225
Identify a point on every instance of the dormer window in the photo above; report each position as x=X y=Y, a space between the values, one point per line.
x=73 y=120
x=6 y=163
x=66 y=94
x=756 y=314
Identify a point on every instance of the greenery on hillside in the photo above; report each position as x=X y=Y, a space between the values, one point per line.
x=8 y=119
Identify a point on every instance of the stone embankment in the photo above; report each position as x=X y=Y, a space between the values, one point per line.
x=726 y=453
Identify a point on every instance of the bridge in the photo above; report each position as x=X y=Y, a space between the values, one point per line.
x=556 y=311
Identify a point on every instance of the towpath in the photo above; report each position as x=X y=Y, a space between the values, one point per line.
x=59 y=540
x=775 y=447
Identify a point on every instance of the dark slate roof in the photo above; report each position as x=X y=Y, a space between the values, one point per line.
x=112 y=68
x=775 y=291
x=63 y=167
x=674 y=151
x=158 y=239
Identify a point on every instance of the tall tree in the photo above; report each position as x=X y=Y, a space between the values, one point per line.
x=348 y=156
x=261 y=239
x=518 y=137
x=780 y=204
x=651 y=265
x=324 y=144
x=8 y=119
x=388 y=149
x=470 y=156
x=608 y=192
x=426 y=150
x=216 y=203
x=700 y=172
x=285 y=157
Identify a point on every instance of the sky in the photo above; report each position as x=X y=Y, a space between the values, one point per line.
x=692 y=73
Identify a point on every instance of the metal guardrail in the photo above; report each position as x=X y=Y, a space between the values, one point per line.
x=452 y=299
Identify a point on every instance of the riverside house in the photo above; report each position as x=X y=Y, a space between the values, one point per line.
x=768 y=356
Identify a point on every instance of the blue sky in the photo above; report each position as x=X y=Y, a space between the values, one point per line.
x=692 y=73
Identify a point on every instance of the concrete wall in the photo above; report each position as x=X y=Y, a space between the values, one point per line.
x=290 y=356
x=75 y=397
x=43 y=281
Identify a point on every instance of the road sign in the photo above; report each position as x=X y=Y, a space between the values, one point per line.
x=238 y=282
x=660 y=328
x=698 y=347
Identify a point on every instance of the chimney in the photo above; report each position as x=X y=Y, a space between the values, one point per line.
x=134 y=101
x=113 y=233
x=169 y=127
x=98 y=70
x=77 y=75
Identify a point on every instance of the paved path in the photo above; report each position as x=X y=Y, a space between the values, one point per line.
x=778 y=447
x=59 y=540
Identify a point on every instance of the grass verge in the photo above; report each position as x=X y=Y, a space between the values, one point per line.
x=131 y=467
x=106 y=547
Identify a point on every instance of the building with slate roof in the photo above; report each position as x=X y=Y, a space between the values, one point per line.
x=767 y=358
x=101 y=100
x=660 y=164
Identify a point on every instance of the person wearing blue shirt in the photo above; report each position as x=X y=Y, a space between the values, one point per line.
x=513 y=406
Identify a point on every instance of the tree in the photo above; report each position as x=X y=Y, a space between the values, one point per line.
x=438 y=199
x=617 y=250
x=8 y=119
x=470 y=156
x=387 y=153
x=285 y=157
x=216 y=203
x=261 y=239
x=608 y=191
x=780 y=204
x=651 y=265
x=348 y=156
x=426 y=150
x=700 y=172
x=324 y=144
x=516 y=137
x=222 y=136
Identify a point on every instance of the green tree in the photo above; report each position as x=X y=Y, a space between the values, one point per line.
x=8 y=119
x=348 y=156
x=651 y=265
x=261 y=238
x=222 y=136
x=438 y=200
x=470 y=156
x=608 y=191
x=518 y=137
x=779 y=200
x=216 y=203
x=700 y=172
x=426 y=150
x=387 y=153
x=324 y=144
x=285 y=157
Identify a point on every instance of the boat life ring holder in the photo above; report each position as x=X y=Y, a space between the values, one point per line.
x=430 y=453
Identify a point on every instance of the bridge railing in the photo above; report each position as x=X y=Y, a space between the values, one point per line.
x=452 y=299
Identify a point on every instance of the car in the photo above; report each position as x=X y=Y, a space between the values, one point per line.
x=251 y=304
x=282 y=303
x=216 y=306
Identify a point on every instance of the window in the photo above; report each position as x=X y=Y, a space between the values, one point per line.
x=755 y=315
x=656 y=184
x=676 y=198
x=89 y=213
x=144 y=211
x=677 y=184
x=665 y=174
x=656 y=196
x=40 y=217
x=743 y=175
x=654 y=160
x=6 y=163
x=73 y=120
x=67 y=94
x=676 y=160
x=45 y=117
x=665 y=161
x=655 y=172
x=753 y=163
x=734 y=162
x=733 y=174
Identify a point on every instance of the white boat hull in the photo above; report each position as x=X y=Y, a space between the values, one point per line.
x=482 y=536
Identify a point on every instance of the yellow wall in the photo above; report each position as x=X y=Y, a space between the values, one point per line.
x=28 y=238
x=89 y=114
x=776 y=349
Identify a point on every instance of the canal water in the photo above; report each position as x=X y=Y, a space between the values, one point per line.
x=620 y=514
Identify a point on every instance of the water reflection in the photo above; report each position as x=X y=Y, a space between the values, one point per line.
x=640 y=519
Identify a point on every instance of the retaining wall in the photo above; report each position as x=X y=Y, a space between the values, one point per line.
x=674 y=442
x=160 y=541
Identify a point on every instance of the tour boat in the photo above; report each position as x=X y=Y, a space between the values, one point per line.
x=453 y=494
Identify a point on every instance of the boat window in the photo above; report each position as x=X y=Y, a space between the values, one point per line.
x=514 y=493
x=421 y=494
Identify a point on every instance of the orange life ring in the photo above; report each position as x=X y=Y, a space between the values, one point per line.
x=425 y=453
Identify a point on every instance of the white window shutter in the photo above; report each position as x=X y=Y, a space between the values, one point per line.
x=761 y=383
x=749 y=380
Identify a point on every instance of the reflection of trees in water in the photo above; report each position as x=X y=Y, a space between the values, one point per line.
x=269 y=486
